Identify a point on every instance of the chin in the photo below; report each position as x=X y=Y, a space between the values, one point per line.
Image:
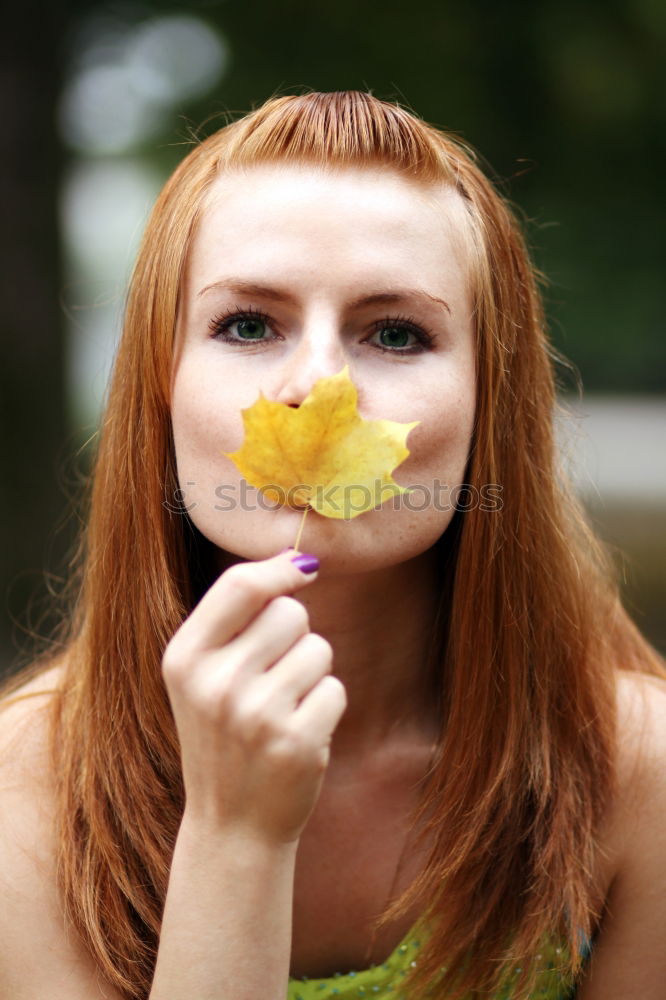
x=372 y=541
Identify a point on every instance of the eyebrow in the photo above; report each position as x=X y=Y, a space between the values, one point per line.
x=239 y=287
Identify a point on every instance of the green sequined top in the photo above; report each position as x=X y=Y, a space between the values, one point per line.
x=386 y=980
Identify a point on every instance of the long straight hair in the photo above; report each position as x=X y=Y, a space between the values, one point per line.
x=531 y=633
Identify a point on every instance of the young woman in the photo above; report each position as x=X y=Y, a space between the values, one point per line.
x=438 y=714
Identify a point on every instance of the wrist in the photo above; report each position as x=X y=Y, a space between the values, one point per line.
x=208 y=835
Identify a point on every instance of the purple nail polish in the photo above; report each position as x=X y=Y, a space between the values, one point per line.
x=306 y=562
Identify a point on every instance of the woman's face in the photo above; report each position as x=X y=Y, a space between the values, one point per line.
x=294 y=273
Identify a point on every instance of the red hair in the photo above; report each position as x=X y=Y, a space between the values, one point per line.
x=531 y=628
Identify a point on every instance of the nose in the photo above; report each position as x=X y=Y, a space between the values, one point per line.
x=319 y=353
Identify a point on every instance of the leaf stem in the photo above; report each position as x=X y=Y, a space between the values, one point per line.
x=300 y=528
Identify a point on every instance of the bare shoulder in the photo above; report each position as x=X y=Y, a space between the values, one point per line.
x=628 y=959
x=641 y=700
x=20 y=711
x=640 y=692
x=32 y=922
x=640 y=807
x=24 y=732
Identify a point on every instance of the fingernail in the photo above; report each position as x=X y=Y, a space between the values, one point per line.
x=289 y=548
x=306 y=563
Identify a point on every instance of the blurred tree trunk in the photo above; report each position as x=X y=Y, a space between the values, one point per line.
x=32 y=394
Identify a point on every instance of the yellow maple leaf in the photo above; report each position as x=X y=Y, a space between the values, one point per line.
x=322 y=454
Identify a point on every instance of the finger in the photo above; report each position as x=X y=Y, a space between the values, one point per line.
x=235 y=598
x=269 y=636
x=298 y=671
x=322 y=708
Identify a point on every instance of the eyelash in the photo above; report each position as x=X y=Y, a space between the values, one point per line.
x=220 y=326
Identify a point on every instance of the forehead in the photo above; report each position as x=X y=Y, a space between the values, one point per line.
x=362 y=217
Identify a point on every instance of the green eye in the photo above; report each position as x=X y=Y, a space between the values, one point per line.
x=243 y=326
x=250 y=329
x=394 y=336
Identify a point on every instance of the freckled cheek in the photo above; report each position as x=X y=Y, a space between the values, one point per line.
x=439 y=446
x=205 y=422
x=440 y=453
x=200 y=438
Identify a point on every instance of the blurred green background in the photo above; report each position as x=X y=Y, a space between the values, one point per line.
x=565 y=102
